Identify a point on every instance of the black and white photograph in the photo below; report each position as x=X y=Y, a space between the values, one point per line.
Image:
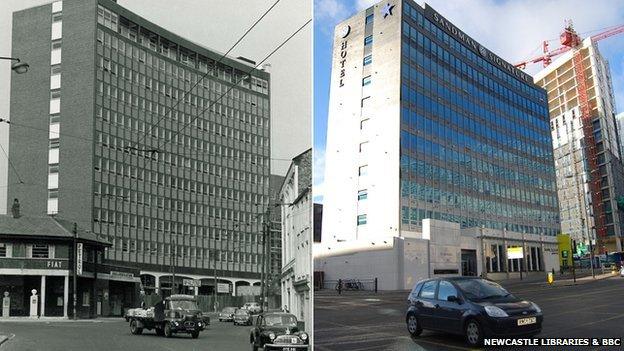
x=155 y=175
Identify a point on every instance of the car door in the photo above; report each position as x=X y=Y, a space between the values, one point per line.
x=448 y=313
x=426 y=304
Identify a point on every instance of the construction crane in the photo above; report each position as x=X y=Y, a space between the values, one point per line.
x=569 y=39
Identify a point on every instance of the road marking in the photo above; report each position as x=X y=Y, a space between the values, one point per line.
x=389 y=336
x=592 y=323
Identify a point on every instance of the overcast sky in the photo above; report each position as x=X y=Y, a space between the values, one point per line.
x=217 y=24
x=513 y=29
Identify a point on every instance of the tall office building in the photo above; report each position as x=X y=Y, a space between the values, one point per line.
x=424 y=122
x=105 y=134
x=587 y=153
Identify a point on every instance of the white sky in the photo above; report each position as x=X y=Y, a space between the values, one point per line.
x=216 y=24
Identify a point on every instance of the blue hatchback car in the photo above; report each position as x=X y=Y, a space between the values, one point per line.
x=470 y=306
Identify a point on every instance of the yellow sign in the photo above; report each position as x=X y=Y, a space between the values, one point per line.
x=551 y=278
x=514 y=252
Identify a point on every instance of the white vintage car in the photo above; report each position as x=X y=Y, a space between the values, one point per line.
x=622 y=272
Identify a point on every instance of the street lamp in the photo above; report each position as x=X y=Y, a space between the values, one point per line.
x=19 y=67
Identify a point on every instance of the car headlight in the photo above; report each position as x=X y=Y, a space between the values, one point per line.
x=494 y=311
x=536 y=307
x=303 y=336
x=271 y=336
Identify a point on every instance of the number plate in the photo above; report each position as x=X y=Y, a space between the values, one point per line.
x=526 y=321
x=290 y=349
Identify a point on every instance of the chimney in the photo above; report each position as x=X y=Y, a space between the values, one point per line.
x=15 y=209
x=266 y=67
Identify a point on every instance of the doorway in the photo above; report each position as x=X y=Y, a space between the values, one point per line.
x=469 y=262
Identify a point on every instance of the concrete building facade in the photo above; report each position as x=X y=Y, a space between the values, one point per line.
x=296 y=207
x=153 y=143
x=443 y=249
x=424 y=122
x=587 y=211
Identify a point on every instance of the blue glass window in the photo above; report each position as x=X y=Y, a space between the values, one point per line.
x=368 y=59
x=368 y=40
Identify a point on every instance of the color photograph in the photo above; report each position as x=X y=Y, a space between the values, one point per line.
x=468 y=164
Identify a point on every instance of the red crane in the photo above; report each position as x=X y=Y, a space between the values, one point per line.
x=569 y=39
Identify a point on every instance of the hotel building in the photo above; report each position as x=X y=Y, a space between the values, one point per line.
x=115 y=128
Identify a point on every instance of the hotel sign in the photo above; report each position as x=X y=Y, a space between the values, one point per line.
x=433 y=15
x=344 y=32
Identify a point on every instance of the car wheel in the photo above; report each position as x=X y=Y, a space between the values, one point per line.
x=134 y=328
x=473 y=333
x=413 y=327
x=168 y=332
x=195 y=334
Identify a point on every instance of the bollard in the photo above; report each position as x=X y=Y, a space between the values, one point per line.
x=339 y=286
x=375 y=285
x=551 y=278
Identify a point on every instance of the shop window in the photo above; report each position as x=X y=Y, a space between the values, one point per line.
x=3 y=250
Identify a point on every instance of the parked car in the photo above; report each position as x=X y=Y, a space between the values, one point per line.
x=242 y=317
x=176 y=314
x=472 y=307
x=278 y=331
x=227 y=314
x=252 y=307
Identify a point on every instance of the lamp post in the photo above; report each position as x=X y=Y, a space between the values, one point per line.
x=18 y=67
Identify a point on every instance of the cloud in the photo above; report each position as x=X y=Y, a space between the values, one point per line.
x=516 y=29
x=332 y=11
x=318 y=186
x=364 y=4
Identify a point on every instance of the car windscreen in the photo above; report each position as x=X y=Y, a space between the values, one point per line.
x=229 y=310
x=241 y=312
x=280 y=320
x=183 y=305
x=481 y=289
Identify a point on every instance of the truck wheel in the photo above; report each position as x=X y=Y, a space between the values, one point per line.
x=195 y=334
x=134 y=328
x=168 y=332
x=160 y=332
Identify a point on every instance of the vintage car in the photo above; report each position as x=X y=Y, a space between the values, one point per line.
x=252 y=307
x=227 y=314
x=242 y=317
x=175 y=314
x=278 y=331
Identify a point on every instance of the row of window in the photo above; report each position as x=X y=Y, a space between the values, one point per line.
x=412 y=217
x=187 y=207
x=515 y=105
x=121 y=70
x=439 y=84
x=485 y=104
x=32 y=250
x=438 y=145
x=142 y=173
x=503 y=76
x=130 y=30
x=508 y=201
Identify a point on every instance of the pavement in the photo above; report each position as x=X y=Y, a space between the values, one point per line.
x=368 y=321
x=104 y=334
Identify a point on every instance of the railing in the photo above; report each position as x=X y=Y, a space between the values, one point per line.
x=347 y=285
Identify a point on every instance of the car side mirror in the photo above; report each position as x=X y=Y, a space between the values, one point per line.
x=453 y=298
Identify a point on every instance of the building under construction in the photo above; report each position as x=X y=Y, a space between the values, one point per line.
x=585 y=141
